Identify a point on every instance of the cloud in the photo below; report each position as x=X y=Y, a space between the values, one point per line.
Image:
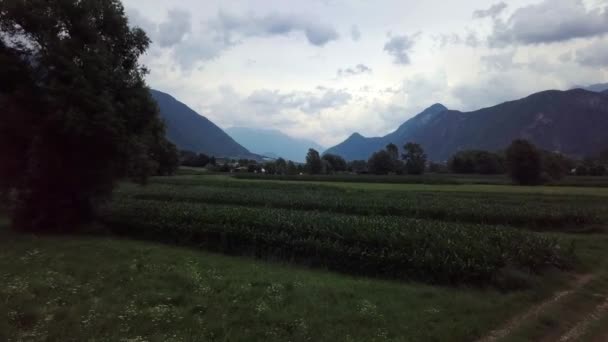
x=548 y=22
x=137 y=19
x=173 y=30
x=492 y=12
x=175 y=37
x=501 y=61
x=399 y=48
x=595 y=55
x=231 y=27
x=355 y=33
x=356 y=70
x=302 y=113
x=470 y=39
x=271 y=102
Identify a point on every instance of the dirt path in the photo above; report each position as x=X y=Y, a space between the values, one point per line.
x=535 y=311
x=582 y=327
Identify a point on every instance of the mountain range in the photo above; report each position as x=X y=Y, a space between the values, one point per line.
x=273 y=143
x=573 y=122
x=193 y=132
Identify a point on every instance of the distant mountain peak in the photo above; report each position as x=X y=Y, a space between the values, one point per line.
x=355 y=135
x=437 y=107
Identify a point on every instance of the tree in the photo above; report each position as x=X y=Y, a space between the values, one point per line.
x=603 y=157
x=314 y=164
x=555 y=165
x=292 y=169
x=281 y=166
x=590 y=167
x=393 y=151
x=476 y=161
x=167 y=157
x=415 y=159
x=271 y=168
x=76 y=112
x=380 y=163
x=334 y=163
x=524 y=162
x=357 y=166
x=437 y=168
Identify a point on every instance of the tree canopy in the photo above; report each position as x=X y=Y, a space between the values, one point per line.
x=76 y=112
x=334 y=163
x=524 y=162
x=415 y=159
x=381 y=163
x=314 y=164
x=477 y=161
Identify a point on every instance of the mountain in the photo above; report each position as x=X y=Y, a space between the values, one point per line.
x=598 y=88
x=273 y=143
x=191 y=131
x=573 y=122
x=358 y=147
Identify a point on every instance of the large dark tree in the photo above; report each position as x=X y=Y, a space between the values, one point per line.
x=314 y=164
x=381 y=163
x=415 y=159
x=524 y=162
x=334 y=163
x=76 y=112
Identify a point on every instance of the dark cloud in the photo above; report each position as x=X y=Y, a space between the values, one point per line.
x=548 y=22
x=355 y=33
x=230 y=27
x=594 y=55
x=173 y=30
x=491 y=12
x=399 y=47
x=356 y=70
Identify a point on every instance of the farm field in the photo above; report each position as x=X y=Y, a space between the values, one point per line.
x=315 y=261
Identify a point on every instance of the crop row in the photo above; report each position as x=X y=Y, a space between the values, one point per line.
x=587 y=181
x=531 y=211
x=391 y=179
x=396 y=247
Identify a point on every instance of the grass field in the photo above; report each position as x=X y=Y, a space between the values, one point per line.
x=415 y=262
x=429 y=178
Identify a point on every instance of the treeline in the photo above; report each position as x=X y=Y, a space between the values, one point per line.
x=524 y=162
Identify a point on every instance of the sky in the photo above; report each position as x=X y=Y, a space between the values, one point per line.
x=324 y=69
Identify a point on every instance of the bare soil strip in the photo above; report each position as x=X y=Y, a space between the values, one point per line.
x=582 y=327
x=536 y=310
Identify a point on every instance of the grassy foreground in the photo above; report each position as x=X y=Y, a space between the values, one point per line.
x=106 y=288
x=77 y=288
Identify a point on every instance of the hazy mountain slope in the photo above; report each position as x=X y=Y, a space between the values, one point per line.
x=270 y=143
x=598 y=88
x=191 y=131
x=573 y=122
x=357 y=147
